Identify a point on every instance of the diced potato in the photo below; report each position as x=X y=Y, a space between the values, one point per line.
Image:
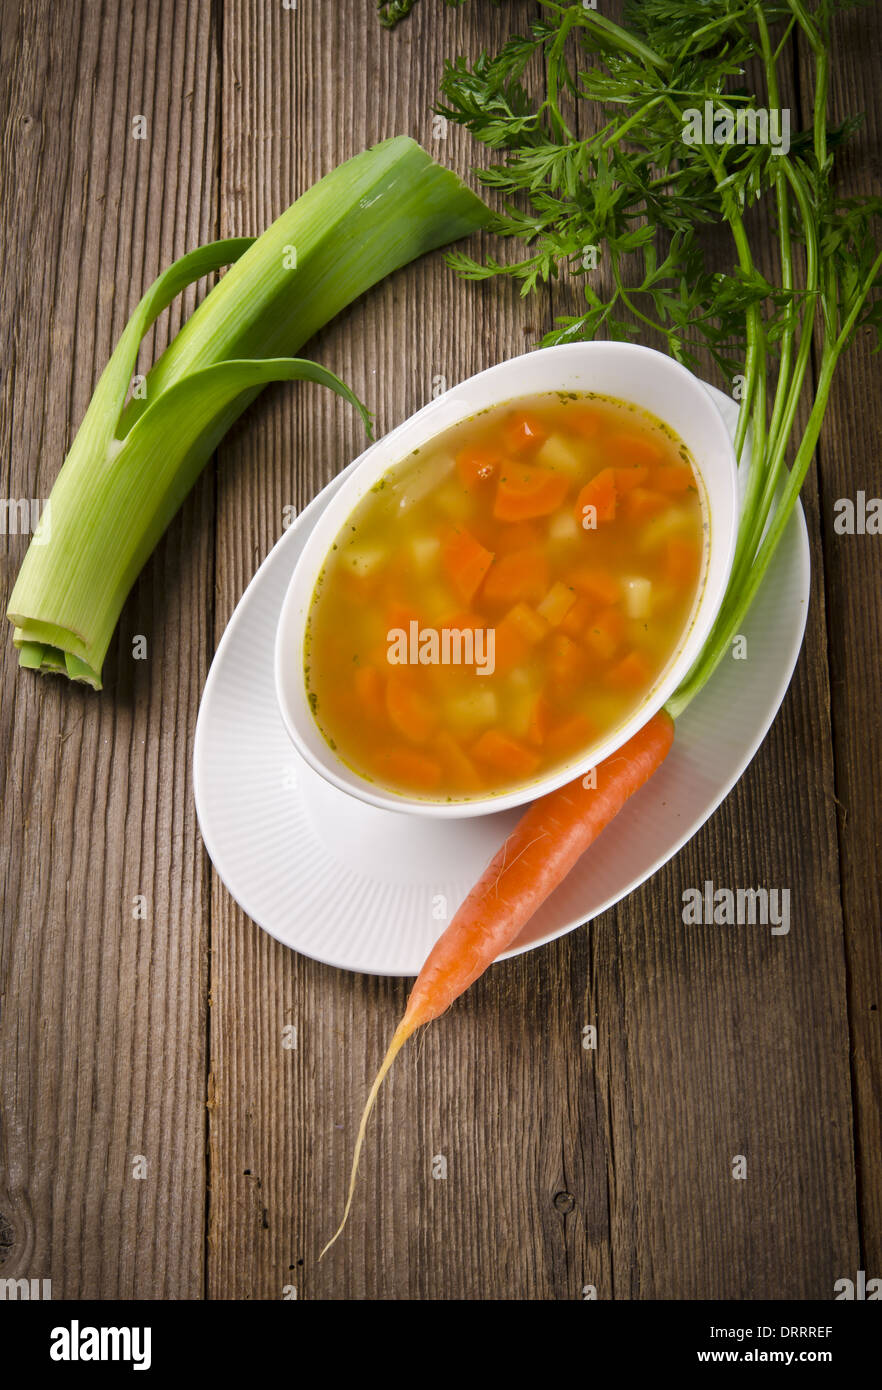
x=520 y=713
x=437 y=602
x=558 y=452
x=556 y=604
x=659 y=528
x=637 y=598
x=421 y=478
x=363 y=560
x=454 y=502
x=527 y=622
x=475 y=710
x=424 y=551
x=563 y=528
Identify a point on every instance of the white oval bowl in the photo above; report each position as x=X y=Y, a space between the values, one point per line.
x=637 y=375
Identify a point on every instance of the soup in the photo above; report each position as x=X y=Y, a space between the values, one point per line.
x=506 y=596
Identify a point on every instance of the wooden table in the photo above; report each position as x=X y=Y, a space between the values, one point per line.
x=155 y=1046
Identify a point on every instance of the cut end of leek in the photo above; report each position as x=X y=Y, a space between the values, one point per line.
x=131 y=466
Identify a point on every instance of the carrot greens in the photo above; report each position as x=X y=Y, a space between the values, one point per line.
x=630 y=210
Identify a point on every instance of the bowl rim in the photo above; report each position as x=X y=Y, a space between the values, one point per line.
x=439 y=414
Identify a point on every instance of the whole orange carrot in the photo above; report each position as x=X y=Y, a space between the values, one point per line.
x=539 y=853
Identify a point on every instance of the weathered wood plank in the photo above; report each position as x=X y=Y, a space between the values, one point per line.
x=848 y=462
x=103 y=1037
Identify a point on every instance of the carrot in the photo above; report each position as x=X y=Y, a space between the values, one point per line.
x=597 y=500
x=574 y=733
x=524 y=493
x=521 y=575
x=410 y=714
x=643 y=502
x=465 y=562
x=410 y=768
x=369 y=688
x=457 y=765
x=519 y=535
x=682 y=560
x=477 y=466
x=633 y=475
x=502 y=752
x=585 y=421
x=544 y=846
x=634 y=448
x=674 y=477
x=523 y=433
x=596 y=583
x=632 y=671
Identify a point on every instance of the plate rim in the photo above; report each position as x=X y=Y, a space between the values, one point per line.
x=200 y=735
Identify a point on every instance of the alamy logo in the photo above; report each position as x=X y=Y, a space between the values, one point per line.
x=75 y=1343
x=767 y=907
x=860 y=1289
x=446 y=646
x=25 y=516
x=749 y=126
x=31 y=1289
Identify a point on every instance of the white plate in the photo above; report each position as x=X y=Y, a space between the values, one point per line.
x=369 y=889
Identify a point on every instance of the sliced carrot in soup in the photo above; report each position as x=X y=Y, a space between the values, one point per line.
x=478 y=465
x=504 y=753
x=464 y=561
x=522 y=433
x=525 y=492
x=521 y=575
x=597 y=500
x=673 y=478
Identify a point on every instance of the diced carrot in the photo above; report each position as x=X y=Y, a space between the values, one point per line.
x=520 y=535
x=505 y=754
x=400 y=615
x=465 y=562
x=538 y=725
x=604 y=633
x=579 y=616
x=409 y=711
x=567 y=662
x=600 y=495
x=477 y=466
x=523 y=432
x=634 y=475
x=674 y=477
x=682 y=560
x=410 y=769
x=459 y=770
x=634 y=448
x=516 y=633
x=596 y=583
x=642 y=502
x=521 y=575
x=584 y=421
x=632 y=672
x=369 y=687
x=557 y=603
x=568 y=736
x=524 y=492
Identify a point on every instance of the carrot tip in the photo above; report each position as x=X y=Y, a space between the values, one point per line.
x=400 y=1037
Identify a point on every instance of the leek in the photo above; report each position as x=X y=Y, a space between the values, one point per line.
x=130 y=466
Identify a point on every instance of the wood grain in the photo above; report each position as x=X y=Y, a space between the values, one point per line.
x=566 y=1167
x=848 y=461
x=103 y=1023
